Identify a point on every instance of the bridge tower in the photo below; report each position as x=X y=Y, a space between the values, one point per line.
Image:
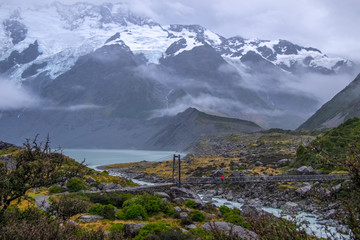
x=177 y=157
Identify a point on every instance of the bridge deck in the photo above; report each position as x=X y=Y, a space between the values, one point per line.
x=264 y=179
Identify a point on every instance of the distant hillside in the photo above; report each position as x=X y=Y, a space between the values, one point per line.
x=345 y=105
x=190 y=125
x=331 y=149
x=87 y=129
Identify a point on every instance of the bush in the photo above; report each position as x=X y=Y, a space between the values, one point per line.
x=120 y=215
x=96 y=209
x=190 y=203
x=116 y=227
x=108 y=212
x=152 y=228
x=114 y=199
x=201 y=233
x=224 y=209
x=66 y=207
x=235 y=219
x=56 y=189
x=197 y=216
x=75 y=185
x=134 y=211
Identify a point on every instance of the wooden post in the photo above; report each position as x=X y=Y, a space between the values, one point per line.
x=179 y=170
x=173 y=172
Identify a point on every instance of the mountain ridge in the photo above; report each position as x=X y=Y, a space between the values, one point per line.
x=343 y=106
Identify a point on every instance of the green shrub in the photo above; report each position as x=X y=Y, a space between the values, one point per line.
x=56 y=189
x=120 y=215
x=201 y=233
x=224 y=209
x=96 y=209
x=134 y=211
x=170 y=212
x=197 y=216
x=190 y=203
x=116 y=227
x=152 y=228
x=108 y=212
x=75 y=185
x=114 y=199
x=234 y=219
x=152 y=207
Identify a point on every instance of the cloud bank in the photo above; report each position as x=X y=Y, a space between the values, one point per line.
x=13 y=97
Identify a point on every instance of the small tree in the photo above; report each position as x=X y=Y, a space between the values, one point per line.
x=35 y=166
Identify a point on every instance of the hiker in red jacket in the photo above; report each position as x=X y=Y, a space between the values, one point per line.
x=222 y=178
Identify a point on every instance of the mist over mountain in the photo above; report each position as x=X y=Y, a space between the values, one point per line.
x=97 y=71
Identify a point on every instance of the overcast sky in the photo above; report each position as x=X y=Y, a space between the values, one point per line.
x=330 y=25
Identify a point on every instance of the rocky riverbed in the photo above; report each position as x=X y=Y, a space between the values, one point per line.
x=290 y=199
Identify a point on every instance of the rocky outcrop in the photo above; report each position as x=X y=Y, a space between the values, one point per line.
x=230 y=230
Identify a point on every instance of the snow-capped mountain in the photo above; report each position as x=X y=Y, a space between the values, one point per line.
x=103 y=63
x=61 y=33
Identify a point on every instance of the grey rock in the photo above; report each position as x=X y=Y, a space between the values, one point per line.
x=304 y=190
x=163 y=194
x=305 y=170
x=90 y=218
x=258 y=163
x=240 y=200
x=191 y=226
x=177 y=209
x=42 y=202
x=72 y=222
x=184 y=215
x=230 y=230
x=284 y=162
x=93 y=189
x=132 y=229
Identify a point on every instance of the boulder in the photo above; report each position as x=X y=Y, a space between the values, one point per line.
x=132 y=229
x=42 y=202
x=231 y=230
x=177 y=209
x=191 y=226
x=258 y=164
x=90 y=218
x=284 y=162
x=182 y=192
x=184 y=215
x=304 y=190
x=304 y=170
x=163 y=195
x=290 y=208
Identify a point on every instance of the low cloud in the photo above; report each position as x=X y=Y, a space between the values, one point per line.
x=14 y=97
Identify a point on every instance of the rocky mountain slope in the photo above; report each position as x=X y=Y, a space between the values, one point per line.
x=343 y=106
x=102 y=65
